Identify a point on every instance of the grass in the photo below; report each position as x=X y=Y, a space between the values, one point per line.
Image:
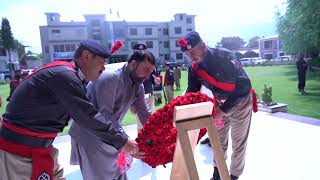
x=283 y=80
x=4 y=93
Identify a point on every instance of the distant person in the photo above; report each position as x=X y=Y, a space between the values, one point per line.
x=157 y=88
x=177 y=76
x=302 y=67
x=0 y=114
x=168 y=83
x=14 y=84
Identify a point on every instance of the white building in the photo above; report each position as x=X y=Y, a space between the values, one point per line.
x=60 y=39
x=270 y=48
x=5 y=60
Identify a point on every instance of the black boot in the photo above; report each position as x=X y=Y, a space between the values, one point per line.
x=205 y=141
x=216 y=175
x=232 y=177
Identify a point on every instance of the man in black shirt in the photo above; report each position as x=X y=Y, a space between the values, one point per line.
x=220 y=71
x=42 y=105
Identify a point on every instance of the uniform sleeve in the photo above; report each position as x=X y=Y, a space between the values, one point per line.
x=141 y=108
x=194 y=84
x=69 y=91
x=234 y=74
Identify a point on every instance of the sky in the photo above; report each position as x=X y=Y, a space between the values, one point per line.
x=214 y=18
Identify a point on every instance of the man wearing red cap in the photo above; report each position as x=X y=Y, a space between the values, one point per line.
x=41 y=107
x=220 y=71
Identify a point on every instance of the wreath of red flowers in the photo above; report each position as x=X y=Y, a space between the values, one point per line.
x=157 y=139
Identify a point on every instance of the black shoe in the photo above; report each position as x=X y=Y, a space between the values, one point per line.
x=205 y=141
x=232 y=177
x=216 y=175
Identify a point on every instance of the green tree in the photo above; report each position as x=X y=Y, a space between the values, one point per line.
x=21 y=51
x=299 y=26
x=253 y=42
x=231 y=43
x=6 y=36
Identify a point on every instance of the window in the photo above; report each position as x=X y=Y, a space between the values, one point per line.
x=109 y=45
x=56 y=48
x=68 y=47
x=189 y=20
x=3 y=52
x=189 y=29
x=96 y=36
x=61 y=48
x=96 y=31
x=46 y=49
x=167 y=56
x=166 y=44
x=95 y=23
x=165 y=31
x=55 y=31
x=181 y=17
x=73 y=47
x=149 y=44
x=148 y=31
x=275 y=45
x=179 y=56
x=177 y=30
x=177 y=45
x=133 y=43
x=267 y=44
x=281 y=54
x=133 y=31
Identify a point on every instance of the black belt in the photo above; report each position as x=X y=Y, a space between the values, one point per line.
x=23 y=139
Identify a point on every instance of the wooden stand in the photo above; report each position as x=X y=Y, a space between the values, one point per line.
x=188 y=120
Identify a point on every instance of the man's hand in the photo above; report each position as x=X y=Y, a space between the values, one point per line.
x=131 y=148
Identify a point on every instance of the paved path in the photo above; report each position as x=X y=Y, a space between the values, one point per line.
x=281 y=147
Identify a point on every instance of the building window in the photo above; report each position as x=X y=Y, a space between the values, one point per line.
x=61 y=48
x=177 y=45
x=189 y=20
x=167 y=56
x=3 y=52
x=281 y=54
x=148 y=31
x=133 y=31
x=177 y=30
x=165 y=31
x=96 y=31
x=267 y=44
x=68 y=47
x=56 y=48
x=149 y=44
x=109 y=45
x=179 y=56
x=166 y=44
x=133 y=43
x=46 y=49
x=55 y=31
x=96 y=36
x=189 y=29
x=95 y=23
x=73 y=47
x=275 y=45
x=181 y=17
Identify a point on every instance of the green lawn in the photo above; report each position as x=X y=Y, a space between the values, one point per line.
x=4 y=93
x=283 y=80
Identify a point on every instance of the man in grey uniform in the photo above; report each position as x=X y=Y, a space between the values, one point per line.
x=112 y=94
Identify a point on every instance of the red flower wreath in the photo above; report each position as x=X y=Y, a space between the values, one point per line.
x=157 y=139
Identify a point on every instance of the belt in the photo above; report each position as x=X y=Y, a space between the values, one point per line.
x=23 y=139
x=42 y=162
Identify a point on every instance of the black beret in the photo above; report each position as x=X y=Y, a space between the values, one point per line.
x=96 y=48
x=139 y=47
x=192 y=38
